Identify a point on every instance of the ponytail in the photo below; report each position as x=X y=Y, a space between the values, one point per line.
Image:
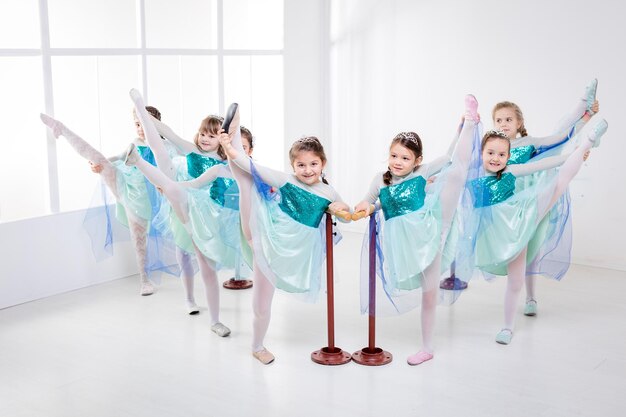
x=387 y=177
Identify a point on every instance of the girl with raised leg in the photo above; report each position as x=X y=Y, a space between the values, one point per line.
x=418 y=219
x=281 y=214
x=501 y=244
x=128 y=186
x=199 y=205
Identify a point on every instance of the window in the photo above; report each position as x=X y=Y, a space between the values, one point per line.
x=77 y=60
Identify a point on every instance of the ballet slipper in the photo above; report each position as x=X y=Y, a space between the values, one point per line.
x=231 y=113
x=597 y=131
x=471 y=108
x=419 y=357
x=264 y=356
x=590 y=95
x=53 y=124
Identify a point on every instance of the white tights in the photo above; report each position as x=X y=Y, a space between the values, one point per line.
x=448 y=197
x=262 y=295
x=517 y=267
x=137 y=226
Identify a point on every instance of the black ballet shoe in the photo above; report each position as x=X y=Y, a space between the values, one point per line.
x=230 y=114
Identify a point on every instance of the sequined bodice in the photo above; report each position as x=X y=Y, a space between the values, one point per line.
x=224 y=191
x=488 y=190
x=197 y=164
x=403 y=198
x=146 y=154
x=521 y=155
x=302 y=206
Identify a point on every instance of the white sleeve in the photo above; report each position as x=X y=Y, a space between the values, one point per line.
x=374 y=191
x=520 y=170
x=268 y=175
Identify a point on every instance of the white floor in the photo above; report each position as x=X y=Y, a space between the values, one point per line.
x=106 y=351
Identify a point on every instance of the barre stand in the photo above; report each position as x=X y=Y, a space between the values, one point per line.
x=330 y=355
x=372 y=355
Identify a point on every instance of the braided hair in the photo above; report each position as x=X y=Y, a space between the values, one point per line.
x=409 y=140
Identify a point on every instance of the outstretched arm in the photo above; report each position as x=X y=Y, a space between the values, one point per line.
x=366 y=206
x=520 y=170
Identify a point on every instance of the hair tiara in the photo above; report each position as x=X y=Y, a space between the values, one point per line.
x=408 y=136
x=498 y=133
x=308 y=139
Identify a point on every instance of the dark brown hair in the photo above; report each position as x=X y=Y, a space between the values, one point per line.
x=308 y=144
x=409 y=140
x=154 y=112
x=245 y=133
x=495 y=134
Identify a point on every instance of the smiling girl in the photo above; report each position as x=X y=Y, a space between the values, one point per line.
x=281 y=214
x=509 y=216
x=417 y=219
x=201 y=207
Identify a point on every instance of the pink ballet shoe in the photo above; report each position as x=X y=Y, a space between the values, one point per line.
x=419 y=357
x=53 y=124
x=264 y=356
x=471 y=108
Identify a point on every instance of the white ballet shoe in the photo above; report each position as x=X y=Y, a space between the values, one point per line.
x=192 y=308
x=131 y=155
x=597 y=131
x=136 y=97
x=590 y=95
x=220 y=330
x=53 y=124
x=146 y=288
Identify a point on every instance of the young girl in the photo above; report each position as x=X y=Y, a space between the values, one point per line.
x=547 y=254
x=417 y=219
x=137 y=200
x=548 y=251
x=200 y=205
x=283 y=226
x=501 y=244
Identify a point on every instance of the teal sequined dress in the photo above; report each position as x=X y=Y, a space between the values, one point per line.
x=135 y=192
x=550 y=246
x=509 y=217
x=287 y=238
x=214 y=221
x=411 y=233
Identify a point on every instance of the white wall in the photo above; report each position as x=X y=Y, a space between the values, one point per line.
x=306 y=71
x=52 y=254
x=406 y=65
